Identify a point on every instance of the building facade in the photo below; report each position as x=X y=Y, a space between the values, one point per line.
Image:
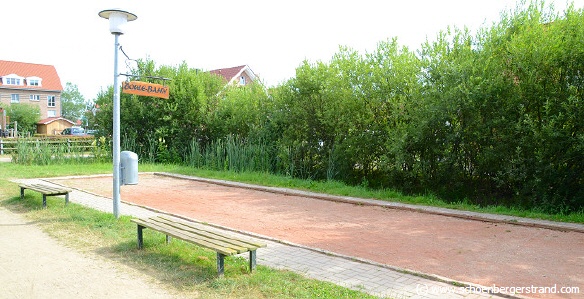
x=238 y=75
x=53 y=125
x=32 y=84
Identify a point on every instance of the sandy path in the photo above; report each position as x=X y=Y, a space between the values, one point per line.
x=34 y=265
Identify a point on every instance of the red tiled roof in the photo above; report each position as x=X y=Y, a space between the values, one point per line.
x=48 y=74
x=228 y=73
x=52 y=119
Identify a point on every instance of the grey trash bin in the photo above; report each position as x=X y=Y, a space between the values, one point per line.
x=128 y=168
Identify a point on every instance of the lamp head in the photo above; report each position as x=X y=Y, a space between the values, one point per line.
x=117 y=18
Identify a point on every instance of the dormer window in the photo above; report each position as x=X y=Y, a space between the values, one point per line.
x=12 y=79
x=33 y=81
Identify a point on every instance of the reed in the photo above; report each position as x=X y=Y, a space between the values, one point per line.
x=230 y=154
x=51 y=151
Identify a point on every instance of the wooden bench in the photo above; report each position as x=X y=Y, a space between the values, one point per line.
x=203 y=235
x=45 y=190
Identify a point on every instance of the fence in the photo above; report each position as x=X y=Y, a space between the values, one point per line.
x=73 y=144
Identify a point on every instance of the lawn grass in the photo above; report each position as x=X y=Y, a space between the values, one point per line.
x=182 y=267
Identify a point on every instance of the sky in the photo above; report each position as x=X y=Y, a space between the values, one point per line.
x=272 y=37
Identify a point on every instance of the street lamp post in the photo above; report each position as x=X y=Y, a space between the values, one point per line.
x=117 y=18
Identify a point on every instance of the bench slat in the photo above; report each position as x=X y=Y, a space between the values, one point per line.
x=193 y=238
x=44 y=189
x=170 y=231
x=204 y=227
x=227 y=241
x=214 y=239
x=211 y=232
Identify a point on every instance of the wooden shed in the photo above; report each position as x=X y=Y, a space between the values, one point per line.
x=53 y=125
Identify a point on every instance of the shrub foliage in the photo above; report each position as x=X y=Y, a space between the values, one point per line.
x=492 y=117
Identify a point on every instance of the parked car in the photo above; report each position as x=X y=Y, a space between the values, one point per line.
x=77 y=131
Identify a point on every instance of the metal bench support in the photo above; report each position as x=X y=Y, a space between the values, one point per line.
x=140 y=237
x=220 y=264
x=252 y=260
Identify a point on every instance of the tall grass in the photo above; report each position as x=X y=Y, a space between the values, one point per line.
x=230 y=154
x=148 y=149
x=39 y=151
x=193 y=155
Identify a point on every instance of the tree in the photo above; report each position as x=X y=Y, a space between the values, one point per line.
x=160 y=129
x=26 y=115
x=239 y=112
x=72 y=103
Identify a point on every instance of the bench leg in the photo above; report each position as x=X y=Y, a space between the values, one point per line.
x=67 y=199
x=252 y=260
x=168 y=239
x=44 y=201
x=22 y=193
x=220 y=264
x=140 y=237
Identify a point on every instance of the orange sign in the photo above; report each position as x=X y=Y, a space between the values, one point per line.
x=145 y=89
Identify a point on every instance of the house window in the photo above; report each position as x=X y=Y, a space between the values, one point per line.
x=12 y=81
x=35 y=97
x=51 y=113
x=242 y=80
x=14 y=98
x=51 y=101
x=33 y=81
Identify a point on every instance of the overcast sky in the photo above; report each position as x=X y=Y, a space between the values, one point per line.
x=272 y=37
